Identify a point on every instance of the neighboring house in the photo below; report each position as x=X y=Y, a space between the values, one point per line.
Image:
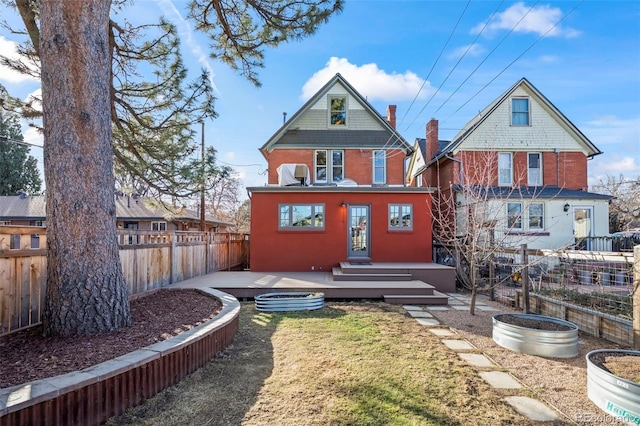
x=336 y=189
x=526 y=163
x=132 y=212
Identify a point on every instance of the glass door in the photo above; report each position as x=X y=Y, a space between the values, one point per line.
x=358 y=228
x=583 y=227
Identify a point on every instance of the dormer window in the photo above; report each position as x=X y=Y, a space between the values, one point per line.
x=520 y=112
x=338 y=111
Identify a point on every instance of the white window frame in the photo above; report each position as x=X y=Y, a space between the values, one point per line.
x=517 y=221
x=5 y=222
x=287 y=219
x=158 y=225
x=531 y=176
x=329 y=166
x=397 y=212
x=520 y=114
x=379 y=154
x=530 y=216
x=333 y=112
x=502 y=157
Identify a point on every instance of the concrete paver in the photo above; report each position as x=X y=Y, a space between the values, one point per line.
x=532 y=408
x=438 y=308
x=477 y=360
x=442 y=332
x=412 y=308
x=500 y=379
x=420 y=314
x=458 y=345
x=430 y=322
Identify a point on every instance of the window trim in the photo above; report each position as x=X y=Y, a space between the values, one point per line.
x=518 y=219
x=529 y=216
x=376 y=167
x=290 y=223
x=158 y=222
x=521 y=113
x=330 y=112
x=540 y=178
x=329 y=166
x=500 y=182
x=400 y=226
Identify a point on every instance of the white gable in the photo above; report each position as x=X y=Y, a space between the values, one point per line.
x=316 y=117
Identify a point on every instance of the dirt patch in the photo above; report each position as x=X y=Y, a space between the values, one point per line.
x=27 y=355
x=619 y=364
x=533 y=323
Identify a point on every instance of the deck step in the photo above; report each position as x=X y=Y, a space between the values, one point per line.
x=437 y=298
x=342 y=275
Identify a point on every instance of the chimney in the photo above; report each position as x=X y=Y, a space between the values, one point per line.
x=432 y=139
x=391 y=115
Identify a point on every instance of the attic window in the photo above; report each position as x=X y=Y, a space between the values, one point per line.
x=338 y=111
x=520 y=112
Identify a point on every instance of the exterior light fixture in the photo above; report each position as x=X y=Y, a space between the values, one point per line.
x=566 y=207
x=343 y=204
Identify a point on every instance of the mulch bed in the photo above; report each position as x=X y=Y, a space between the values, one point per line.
x=26 y=355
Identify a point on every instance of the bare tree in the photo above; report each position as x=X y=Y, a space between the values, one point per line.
x=474 y=220
x=624 y=208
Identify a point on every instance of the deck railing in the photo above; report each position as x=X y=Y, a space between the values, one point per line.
x=150 y=260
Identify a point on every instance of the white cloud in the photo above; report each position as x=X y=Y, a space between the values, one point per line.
x=610 y=130
x=369 y=80
x=613 y=165
x=9 y=49
x=33 y=136
x=525 y=19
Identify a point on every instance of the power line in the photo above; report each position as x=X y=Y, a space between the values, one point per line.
x=6 y=139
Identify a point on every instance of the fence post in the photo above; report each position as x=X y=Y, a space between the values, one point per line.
x=525 y=278
x=172 y=255
x=636 y=298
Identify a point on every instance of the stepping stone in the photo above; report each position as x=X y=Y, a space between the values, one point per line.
x=455 y=302
x=429 y=322
x=438 y=308
x=500 y=379
x=420 y=314
x=458 y=345
x=442 y=332
x=412 y=308
x=461 y=307
x=477 y=360
x=532 y=408
x=487 y=308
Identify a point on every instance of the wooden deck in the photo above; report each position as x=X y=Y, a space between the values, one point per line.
x=387 y=281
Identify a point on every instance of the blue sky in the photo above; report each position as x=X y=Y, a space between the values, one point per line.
x=440 y=59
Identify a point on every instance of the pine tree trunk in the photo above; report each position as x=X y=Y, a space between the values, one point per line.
x=86 y=290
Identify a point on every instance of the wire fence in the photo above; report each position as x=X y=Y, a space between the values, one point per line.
x=593 y=289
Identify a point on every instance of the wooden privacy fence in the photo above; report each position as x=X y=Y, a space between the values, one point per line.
x=150 y=260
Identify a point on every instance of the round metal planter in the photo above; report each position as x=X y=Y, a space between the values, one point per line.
x=615 y=395
x=291 y=301
x=537 y=341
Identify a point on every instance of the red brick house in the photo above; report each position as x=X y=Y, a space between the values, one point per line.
x=335 y=191
x=529 y=164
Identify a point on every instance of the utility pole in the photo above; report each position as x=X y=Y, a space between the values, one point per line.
x=202 y=185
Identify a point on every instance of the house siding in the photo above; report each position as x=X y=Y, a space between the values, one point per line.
x=277 y=250
x=358 y=164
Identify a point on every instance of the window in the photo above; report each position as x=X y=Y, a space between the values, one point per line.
x=38 y=223
x=514 y=215
x=520 y=111
x=505 y=168
x=536 y=216
x=401 y=216
x=35 y=241
x=534 y=168
x=14 y=241
x=301 y=216
x=5 y=222
x=158 y=226
x=379 y=167
x=338 y=112
x=329 y=166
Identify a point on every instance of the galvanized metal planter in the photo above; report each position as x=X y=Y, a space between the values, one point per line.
x=533 y=341
x=615 y=395
x=289 y=301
